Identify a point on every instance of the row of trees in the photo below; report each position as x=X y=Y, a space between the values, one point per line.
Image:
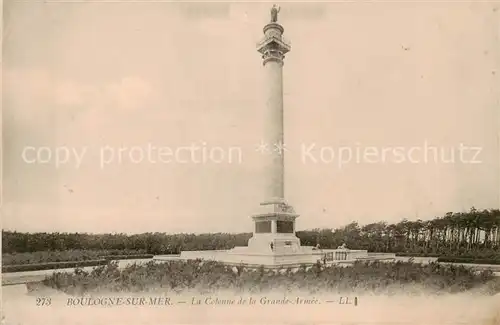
x=475 y=233
x=151 y=243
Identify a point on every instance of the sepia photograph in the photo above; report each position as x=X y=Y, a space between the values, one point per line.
x=250 y=162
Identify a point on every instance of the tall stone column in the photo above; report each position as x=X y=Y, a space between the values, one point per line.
x=273 y=48
x=275 y=222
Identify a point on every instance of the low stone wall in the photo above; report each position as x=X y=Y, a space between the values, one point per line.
x=259 y=259
x=297 y=259
x=344 y=254
x=382 y=256
x=214 y=255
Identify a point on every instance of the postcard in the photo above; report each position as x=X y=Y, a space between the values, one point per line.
x=224 y=162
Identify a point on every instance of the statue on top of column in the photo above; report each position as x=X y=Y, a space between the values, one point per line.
x=274 y=13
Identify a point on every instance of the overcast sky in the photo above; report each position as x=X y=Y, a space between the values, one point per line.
x=95 y=77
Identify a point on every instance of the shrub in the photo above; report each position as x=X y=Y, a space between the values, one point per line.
x=209 y=276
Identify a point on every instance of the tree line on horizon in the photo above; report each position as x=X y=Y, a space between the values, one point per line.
x=473 y=233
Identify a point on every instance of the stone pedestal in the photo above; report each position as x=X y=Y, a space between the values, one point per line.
x=274 y=229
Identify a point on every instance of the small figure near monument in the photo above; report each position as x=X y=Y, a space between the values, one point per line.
x=274 y=13
x=343 y=246
x=284 y=207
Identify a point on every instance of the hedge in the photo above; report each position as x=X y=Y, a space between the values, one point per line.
x=51 y=265
x=418 y=255
x=126 y=257
x=470 y=260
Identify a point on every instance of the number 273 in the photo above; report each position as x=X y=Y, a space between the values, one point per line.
x=43 y=301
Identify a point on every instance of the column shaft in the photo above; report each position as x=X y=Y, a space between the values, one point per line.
x=274 y=129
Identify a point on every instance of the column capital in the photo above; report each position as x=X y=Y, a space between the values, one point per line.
x=273 y=46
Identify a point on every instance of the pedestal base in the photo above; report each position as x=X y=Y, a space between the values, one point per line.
x=274 y=243
x=247 y=256
x=306 y=255
x=275 y=229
